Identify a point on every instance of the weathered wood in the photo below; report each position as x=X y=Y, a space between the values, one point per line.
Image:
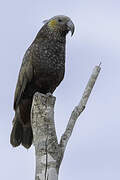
x=49 y=153
x=45 y=139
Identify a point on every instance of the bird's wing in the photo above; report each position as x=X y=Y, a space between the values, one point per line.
x=25 y=76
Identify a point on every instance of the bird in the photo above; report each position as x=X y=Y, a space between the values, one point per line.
x=42 y=70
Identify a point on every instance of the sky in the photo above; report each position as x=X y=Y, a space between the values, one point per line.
x=93 y=151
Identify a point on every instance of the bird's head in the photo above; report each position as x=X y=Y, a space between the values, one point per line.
x=60 y=24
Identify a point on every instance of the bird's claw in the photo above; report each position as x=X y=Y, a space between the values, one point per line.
x=48 y=94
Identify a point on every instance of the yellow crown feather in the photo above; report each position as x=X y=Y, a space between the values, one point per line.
x=52 y=23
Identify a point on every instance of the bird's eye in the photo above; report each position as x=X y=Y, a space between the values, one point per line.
x=59 y=20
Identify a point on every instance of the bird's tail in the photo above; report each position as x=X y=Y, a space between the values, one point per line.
x=21 y=134
x=27 y=137
x=16 y=134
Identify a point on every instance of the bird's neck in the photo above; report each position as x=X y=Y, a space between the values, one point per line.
x=52 y=35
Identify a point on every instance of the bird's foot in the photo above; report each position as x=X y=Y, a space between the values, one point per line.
x=49 y=94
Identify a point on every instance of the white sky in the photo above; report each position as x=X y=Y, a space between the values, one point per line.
x=93 y=151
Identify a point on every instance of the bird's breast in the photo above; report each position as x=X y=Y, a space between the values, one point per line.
x=50 y=59
x=49 y=66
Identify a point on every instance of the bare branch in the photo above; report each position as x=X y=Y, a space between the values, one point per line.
x=48 y=152
x=78 y=109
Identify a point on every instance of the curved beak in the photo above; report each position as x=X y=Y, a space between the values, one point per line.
x=71 y=27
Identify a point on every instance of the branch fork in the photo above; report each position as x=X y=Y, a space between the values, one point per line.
x=49 y=153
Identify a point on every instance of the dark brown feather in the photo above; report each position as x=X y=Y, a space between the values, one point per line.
x=42 y=70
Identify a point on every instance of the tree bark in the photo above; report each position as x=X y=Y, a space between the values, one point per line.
x=49 y=153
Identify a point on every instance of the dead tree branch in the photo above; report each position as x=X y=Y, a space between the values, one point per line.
x=49 y=153
x=78 y=109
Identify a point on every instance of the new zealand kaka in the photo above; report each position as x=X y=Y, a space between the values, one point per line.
x=42 y=70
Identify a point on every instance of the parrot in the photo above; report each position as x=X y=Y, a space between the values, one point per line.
x=42 y=70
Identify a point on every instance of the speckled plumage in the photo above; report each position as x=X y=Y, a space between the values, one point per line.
x=42 y=70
